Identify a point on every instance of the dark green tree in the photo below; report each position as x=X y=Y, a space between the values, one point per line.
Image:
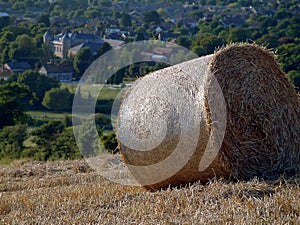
x=116 y=15
x=139 y=36
x=67 y=120
x=152 y=17
x=11 y=141
x=125 y=20
x=88 y=138
x=93 y=13
x=294 y=77
x=109 y=141
x=184 y=41
x=102 y=122
x=45 y=137
x=18 y=6
x=38 y=85
x=14 y=99
x=289 y=56
x=4 y=21
x=44 y=18
x=23 y=49
x=82 y=61
x=5 y=39
x=206 y=44
x=237 y=34
x=58 y=99
x=17 y=30
x=104 y=48
x=46 y=53
x=65 y=146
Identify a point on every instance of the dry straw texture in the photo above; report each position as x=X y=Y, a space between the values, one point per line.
x=263 y=115
x=68 y=192
x=262 y=136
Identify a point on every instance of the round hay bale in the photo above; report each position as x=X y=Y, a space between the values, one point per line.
x=230 y=114
x=263 y=113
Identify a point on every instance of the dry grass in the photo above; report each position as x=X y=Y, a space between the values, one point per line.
x=68 y=192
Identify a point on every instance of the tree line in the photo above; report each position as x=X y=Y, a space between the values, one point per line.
x=51 y=139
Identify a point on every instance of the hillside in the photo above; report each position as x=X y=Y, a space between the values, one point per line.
x=69 y=192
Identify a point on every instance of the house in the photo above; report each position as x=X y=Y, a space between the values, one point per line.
x=159 y=54
x=254 y=25
x=263 y=11
x=114 y=43
x=63 y=42
x=158 y=30
x=92 y=45
x=114 y=36
x=163 y=50
x=14 y=68
x=61 y=46
x=117 y=6
x=4 y=14
x=167 y=36
x=17 y=67
x=236 y=21
x=118 y=33
x=78 y=38
x=60 y=72
x=136 y=14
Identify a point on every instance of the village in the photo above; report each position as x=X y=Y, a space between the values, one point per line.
x=117 y=23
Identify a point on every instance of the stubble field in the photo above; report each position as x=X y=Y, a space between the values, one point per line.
x=69 y=192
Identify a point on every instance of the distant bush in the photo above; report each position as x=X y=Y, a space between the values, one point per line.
x=11 y=141
x=58 y=99
x=109 y=141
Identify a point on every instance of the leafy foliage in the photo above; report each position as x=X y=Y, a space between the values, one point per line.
x=65 y=146
x=125 y=20
x=38 y=85
x=58 y=99
x=82 y=61
x=44 y=138
x=14 y=99
x=109 y=141
x=88 y=138
x=152 y=17
x=11 y=141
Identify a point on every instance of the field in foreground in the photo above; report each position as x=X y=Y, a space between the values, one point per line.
x=69 y=192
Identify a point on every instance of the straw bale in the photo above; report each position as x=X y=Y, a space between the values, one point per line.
x=263 y=116
x=172 y=106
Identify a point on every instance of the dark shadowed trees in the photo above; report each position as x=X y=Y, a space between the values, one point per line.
x=14 y=99
x=38 y=85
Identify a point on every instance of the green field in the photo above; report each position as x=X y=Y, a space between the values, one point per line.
x=47 y=115
x=106 y=92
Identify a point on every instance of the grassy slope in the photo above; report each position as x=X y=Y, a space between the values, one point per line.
x=68 y=192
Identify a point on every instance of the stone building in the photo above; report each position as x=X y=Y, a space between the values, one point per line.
x=63 y=42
